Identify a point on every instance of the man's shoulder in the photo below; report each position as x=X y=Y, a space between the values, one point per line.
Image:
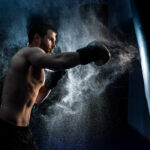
x=19 y=60
x=21 y=57
x=24 y=52
x=31 y=49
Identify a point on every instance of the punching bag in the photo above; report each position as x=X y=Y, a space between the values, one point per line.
x=141 y=21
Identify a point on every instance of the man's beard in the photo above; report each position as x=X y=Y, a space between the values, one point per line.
x=47 y=50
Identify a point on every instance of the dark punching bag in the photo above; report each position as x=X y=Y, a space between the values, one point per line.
x=141 y=16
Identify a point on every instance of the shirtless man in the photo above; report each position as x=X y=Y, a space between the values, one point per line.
x=25 y=83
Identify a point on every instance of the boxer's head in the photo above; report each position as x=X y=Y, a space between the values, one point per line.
x=43 y=36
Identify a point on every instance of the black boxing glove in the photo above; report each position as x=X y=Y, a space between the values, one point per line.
x=95 y=51
x=53 y=78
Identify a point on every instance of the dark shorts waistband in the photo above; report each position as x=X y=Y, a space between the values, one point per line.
x=11 y=126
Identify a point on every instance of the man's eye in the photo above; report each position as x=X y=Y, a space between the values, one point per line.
x=51 y=39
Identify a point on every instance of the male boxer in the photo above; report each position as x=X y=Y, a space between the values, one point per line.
x=25 y=84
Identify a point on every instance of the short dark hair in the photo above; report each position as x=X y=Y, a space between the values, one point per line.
x=39 y=28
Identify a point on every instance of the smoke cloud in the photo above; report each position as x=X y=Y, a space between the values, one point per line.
x=69 y=119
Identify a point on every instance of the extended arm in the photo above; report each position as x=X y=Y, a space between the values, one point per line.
x=36 y=57
x=91 y=53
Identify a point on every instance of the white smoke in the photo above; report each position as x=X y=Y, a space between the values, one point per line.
x=85 y=84
x=68 y=119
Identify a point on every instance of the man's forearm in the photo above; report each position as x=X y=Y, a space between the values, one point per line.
x=50 y=82
x=53 y=78
x=43 y=94
x=66 y=60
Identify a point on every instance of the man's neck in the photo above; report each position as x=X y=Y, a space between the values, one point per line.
x=33 y=45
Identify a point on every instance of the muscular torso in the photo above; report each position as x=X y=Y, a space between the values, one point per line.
x=20 y=90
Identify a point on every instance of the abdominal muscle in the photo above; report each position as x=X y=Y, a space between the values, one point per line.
x=17 y=102
x=11 y=116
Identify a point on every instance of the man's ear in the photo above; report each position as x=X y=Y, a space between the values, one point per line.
x=37 y=39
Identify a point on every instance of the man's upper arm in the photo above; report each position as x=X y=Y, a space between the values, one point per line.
x=36 y=57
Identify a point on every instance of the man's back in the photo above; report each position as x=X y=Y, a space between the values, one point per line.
x=20 y=90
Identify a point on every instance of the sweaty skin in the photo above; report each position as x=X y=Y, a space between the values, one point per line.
x=20 y=90
x=25 y=78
